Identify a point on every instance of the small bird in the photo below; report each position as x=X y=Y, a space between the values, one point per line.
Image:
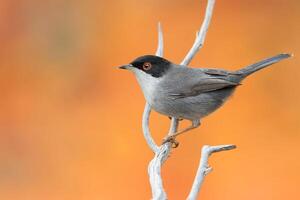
x=188 y=93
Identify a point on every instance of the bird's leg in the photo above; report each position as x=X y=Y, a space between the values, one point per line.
x=171 y=138
x=195 y=124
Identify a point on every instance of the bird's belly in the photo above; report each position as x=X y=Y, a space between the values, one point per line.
x=181 y=109
x=194 y=107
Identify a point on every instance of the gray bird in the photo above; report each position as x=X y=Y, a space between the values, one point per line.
x=188 y=93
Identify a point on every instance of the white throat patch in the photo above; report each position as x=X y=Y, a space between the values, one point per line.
x=147 y=82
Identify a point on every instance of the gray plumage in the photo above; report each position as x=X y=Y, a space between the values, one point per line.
x=189 y=93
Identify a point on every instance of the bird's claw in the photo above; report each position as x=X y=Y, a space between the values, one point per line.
x=172 y=140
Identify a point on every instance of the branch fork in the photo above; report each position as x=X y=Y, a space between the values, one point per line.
x=162 y=152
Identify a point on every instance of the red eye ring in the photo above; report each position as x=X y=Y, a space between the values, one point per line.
x=147 y=66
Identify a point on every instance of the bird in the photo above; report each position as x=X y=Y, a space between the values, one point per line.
x=188 y=93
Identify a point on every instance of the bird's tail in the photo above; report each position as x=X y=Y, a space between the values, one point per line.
x=262 y=64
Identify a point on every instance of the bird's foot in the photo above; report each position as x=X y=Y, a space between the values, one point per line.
x=172 y=140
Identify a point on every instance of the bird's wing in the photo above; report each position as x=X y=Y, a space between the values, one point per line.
x=220 y=72
x=210 y=80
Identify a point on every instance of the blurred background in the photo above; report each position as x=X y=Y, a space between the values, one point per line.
x=70 y=121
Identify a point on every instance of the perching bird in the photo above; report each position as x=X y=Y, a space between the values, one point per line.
x=188 y=93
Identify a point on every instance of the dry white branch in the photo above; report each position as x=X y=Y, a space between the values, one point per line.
x=200 y=36
x=160 y=45
x=162 y=152
x=146 y=130
x=154 y=171
x=204 y=168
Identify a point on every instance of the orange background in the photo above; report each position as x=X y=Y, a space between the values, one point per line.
x=70 y=122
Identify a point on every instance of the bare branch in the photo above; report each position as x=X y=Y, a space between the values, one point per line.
x=146 y=130
x=204 y=168
x=200 y=36
x=173 y=126
x=154 y=167
x=154 y=171
x=160 y=45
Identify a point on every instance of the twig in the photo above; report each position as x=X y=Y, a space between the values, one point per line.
x=204 y=168
x=154 y=171
x=200 y=36
x=160 y=45
x=146 y=130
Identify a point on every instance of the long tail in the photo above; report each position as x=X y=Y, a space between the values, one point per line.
x=262 y=64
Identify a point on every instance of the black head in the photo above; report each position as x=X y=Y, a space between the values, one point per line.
x=153 y=65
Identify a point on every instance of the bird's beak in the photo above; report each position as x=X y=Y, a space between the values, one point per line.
x=125 y=66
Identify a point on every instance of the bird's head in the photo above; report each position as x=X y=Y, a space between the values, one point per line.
x=149 y=65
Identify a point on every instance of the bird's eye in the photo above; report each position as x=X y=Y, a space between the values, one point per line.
x=147 y=66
